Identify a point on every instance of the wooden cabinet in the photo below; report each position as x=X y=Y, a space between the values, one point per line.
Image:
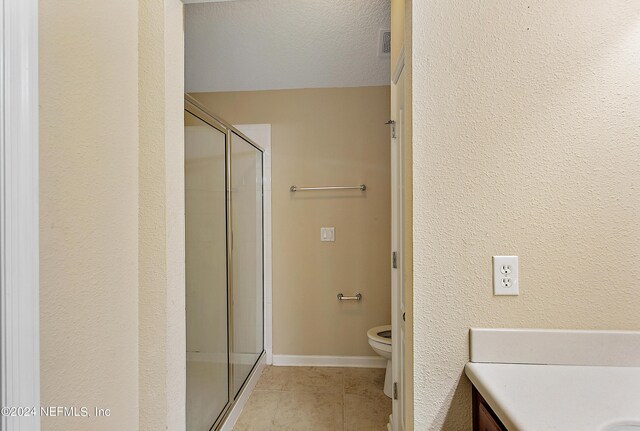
x=484 y=419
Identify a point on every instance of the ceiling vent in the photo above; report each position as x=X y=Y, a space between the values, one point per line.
x=384 y=45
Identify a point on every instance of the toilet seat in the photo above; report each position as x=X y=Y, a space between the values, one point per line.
x=374 y=334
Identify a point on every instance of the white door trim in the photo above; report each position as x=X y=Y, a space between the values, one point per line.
x=19 y=278
x=397 y=205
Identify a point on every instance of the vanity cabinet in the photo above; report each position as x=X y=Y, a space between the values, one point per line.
x=484 y=419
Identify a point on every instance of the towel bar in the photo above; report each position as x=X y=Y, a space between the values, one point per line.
x=361 y=187
x=356 y=297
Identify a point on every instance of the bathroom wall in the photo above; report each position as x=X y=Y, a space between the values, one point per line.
x=323 y=137
x=526 y=125
x=111 y=215
x=89 y=211
x=161 y=230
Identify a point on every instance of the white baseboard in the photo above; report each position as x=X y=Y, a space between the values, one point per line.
x=330 y=361
x=234 y=414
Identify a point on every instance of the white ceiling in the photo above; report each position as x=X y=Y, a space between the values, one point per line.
x=277 y=44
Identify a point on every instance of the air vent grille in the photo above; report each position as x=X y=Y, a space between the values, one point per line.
x=385 y=43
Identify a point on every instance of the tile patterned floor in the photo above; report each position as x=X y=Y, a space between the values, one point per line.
x=317 y=399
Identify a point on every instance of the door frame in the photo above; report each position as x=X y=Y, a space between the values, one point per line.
x=19 y=214
x=397 y=237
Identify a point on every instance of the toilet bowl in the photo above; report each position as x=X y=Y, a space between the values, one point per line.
x=380 y=342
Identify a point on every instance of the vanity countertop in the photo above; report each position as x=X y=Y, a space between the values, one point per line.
x=559 y=397
x=558 y=380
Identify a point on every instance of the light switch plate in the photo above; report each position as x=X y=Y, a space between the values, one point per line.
x=505 y=275
x=327 y=234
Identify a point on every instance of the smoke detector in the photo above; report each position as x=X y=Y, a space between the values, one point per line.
x=384 y=43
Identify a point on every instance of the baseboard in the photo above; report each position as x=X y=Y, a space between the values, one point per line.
x=330 y=361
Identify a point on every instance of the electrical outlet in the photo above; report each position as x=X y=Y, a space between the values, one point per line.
x=505 y=275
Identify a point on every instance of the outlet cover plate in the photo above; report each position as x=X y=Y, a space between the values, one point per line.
x=505 y=276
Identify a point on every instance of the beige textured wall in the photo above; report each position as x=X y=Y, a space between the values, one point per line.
x=324 y=136
x=526 y=137
x=89 y=211
x=162 y=343
x=112 y=295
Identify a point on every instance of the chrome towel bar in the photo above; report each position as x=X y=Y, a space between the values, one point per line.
x=357 y=297
x=361 y=187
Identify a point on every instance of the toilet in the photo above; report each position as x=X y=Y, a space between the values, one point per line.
x=380 y=342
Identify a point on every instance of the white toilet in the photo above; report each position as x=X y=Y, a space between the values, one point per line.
x=380 y=342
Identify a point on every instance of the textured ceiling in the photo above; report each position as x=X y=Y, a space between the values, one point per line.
x=276 y=44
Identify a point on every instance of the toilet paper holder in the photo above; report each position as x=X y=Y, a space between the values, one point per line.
x=356 y=297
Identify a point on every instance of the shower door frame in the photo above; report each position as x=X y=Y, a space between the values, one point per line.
x=205 y=117
x=193 y=107
x=230 y=132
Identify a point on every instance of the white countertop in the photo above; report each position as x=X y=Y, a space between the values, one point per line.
x=559 y=397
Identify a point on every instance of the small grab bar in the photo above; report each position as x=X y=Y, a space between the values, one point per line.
x=361 y=187
x=356 y=297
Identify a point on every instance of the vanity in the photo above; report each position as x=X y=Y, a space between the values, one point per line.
x=484 y=418
x=546 y=380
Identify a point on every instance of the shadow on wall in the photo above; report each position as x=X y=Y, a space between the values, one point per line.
x=457 y=413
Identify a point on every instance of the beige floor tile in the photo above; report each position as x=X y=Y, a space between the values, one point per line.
x=364 y=381
x=366 y=412
x=317 y=399
x=304 y=411
x=259 y=412
x=274 y=378
x=315 y=379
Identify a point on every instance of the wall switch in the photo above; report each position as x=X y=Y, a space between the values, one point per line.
x=327 y=234
x=505 y=275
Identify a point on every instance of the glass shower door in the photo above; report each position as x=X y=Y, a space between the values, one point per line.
x=206 y=273
x=247 y=258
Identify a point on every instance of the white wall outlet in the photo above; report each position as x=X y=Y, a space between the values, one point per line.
x=327 y=234
x=505 y=275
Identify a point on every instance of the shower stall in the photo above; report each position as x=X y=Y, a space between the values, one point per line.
x=224 y=264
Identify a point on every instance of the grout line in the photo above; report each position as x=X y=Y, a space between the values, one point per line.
x=298 y=392
x=344 y=401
